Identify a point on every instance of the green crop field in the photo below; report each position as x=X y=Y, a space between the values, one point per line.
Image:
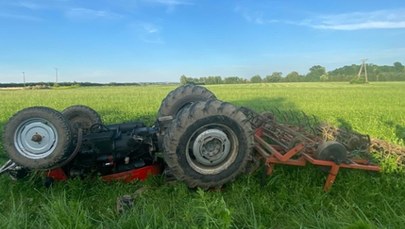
x=291 y=198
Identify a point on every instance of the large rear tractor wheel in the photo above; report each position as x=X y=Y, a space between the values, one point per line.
x=38 y=138
x=208 y=144
x=81 y=117
x=182 y=97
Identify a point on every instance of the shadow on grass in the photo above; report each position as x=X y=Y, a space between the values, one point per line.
x=267 y=104
x=284 y=111
x=343 y=124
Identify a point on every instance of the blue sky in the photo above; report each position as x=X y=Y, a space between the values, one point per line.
x=160 y=40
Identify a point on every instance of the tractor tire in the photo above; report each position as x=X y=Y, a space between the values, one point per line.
x=82 y=117
x=38 y=138
x=182 y=97
x=208 y=144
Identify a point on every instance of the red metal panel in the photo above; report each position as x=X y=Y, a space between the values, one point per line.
x=135 y=174
x=57 y=174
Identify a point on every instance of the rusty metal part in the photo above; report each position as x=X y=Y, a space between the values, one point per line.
x=304 y=140
x=273 y=154
x=297 y=127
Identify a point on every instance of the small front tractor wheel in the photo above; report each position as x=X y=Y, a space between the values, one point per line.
x=80 y=116
x=38 y=138
x=208 y=144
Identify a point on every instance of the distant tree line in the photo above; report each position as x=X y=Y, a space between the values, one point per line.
x=316 y=73
x=48 y=85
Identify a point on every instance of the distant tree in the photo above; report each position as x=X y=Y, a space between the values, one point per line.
x=398 y=67
x=395 y=72
x=324 y=77
x=374 y=73
x=345 y=73
x=315 y=73
x=219 y=80
x=293 y=77
x=256 y=79
x=212 y=80
x=183 y=79
x=274 y=77
x=233 y=80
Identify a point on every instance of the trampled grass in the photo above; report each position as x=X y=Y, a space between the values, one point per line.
x=291 y=198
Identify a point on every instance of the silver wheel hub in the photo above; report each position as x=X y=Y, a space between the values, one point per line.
x=35 y=138
x=211 y=147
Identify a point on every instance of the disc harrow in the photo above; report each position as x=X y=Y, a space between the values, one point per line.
x=307 y=141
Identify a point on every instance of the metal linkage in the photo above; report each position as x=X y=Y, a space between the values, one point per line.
x=9 y=165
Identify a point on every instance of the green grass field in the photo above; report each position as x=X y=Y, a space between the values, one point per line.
x=291 y=198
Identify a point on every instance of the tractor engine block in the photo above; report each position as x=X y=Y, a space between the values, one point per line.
x=114 y=148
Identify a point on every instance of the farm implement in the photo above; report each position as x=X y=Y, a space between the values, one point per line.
x=323 y=146
x=200 y=140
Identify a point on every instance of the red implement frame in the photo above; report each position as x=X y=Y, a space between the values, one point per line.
x=141 y=174
x=135 y=174
x=295 y=156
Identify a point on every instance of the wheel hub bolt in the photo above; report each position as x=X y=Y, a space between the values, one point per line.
x=36 y=138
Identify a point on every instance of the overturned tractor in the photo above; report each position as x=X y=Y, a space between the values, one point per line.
x=202 y=141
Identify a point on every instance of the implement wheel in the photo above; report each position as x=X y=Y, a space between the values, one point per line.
x=208 y=144
x=38 y=138
x=332 y=151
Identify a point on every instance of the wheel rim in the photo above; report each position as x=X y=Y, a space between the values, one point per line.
x=212 y=149
x=35 y=138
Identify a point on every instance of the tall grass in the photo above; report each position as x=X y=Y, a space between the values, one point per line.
x=291 y=198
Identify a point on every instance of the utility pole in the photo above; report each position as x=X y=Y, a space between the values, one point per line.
x=363 y=66
x=56 y=76
x=23 y=73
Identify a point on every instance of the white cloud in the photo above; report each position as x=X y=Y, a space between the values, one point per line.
x=28 y=5
x=147 y=32
x=20 y=17
x=256 y=17
x=170 y=5
x=90 y=14
x=150 y=28
x=170 y=2
x=364 y=25
x=382 y=19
